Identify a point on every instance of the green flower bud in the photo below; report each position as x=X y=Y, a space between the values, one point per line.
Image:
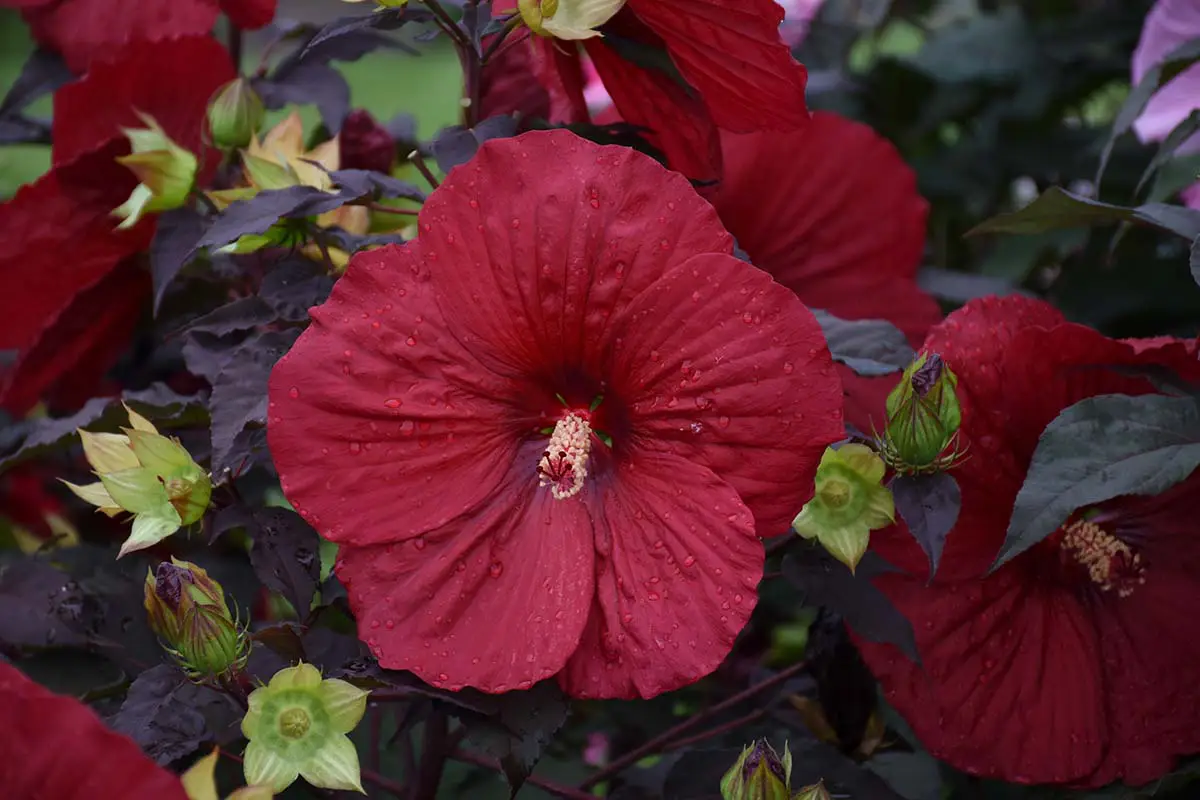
x=759 y=774
x=849 y=502
x=297 y=725
x=235 y=114
x=167 y=173
x=816 y=791
x=923 y=417
x=148 y=475
x=187 y=610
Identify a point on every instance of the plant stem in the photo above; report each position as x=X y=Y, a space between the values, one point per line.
x=434 y=752
x=657 y=743
x=235 y=46
x=569 y=792
x=688 y=741
x=417 y=161
x=407 y=212
x=447 y=24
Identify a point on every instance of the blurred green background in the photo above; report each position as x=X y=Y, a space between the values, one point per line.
x=385 y=83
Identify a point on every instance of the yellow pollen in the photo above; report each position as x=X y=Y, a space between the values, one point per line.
x=1110 y=563
x=564 y=463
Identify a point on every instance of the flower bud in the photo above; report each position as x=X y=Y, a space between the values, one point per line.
x=923 y=417
x=365 y=144
x=167 y=173
x=187 y=610
x=297 y=725
x=148 y=475
x=816 y=791
x=850 y=501
x=568 y=19
x=759 y=774
x=235 y=114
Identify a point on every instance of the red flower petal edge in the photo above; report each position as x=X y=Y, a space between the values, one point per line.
x=411 y=421
x=56 y=748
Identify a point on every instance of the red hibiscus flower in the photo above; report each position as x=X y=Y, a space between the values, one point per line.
x=728 y=69
x=56 y=748
x=1078 y=661
x=548 y=433
x=84 y=31
x=832 y=212
x=76 y=295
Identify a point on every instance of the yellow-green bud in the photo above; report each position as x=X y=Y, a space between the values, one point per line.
x=849 y=502
x=235 y=114
x=297 y=725
x=187 y=610
x=759 y=774
x=816 y=791
x=167 y=173
x=147 y=474
x=923 y=417
x=568 y=19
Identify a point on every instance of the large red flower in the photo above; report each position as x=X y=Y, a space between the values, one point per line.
x=833 y=213
x=56 y=748
x=1079 y=660
x=733 y=73
x=74 y=295
x=447 y=419
x=86 y=31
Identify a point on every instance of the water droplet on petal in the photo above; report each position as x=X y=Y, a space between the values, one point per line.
x=293 y=392
x=393 y=402
x=496 y=569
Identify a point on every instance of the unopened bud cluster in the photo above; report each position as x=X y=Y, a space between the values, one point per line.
x=187 y=610
x=923 y=418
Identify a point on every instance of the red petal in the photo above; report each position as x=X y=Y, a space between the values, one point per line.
x=495 y=599
x=56 y=748
x=171 y=81
x=731 y=51
x=1010 y=683
x=677 y=578
x=377 y=405
x=556 y=65
x=726 y=368
x=56 y=247
x=72 y=354
x=539 y=259
x=678 y=123
x=1151 y=641
x=249 y=14
x=832 y=212
x=86 y=31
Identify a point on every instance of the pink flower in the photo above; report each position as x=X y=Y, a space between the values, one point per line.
x=1169 y=24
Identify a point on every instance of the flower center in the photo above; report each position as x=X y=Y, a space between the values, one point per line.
x=564 y=463
x=836 y=493
x=1110 y=563
x=294 y=723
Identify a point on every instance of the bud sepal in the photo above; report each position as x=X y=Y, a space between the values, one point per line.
x=923 y=419
x=235 y=114
x=186 y=609
x=849 y=502
x=759 y=774
x=166 y=171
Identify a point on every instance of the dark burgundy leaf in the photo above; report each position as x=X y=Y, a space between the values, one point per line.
x=170 y=717
x=306 y=83
x=38 y=601
x=697 y=774
x=19 y=129
x=827 y=583
x=285 y=556
x=43 y=434
x=355 y=183
x=240 y=315
x=239 y=399
x=868 y=346
x=959 y=287
x=205 y=354
x=295 y=286
x=284 y=639
x=174 y=241
x=522 y=724
x=457 y=145
x=389 y=19
x=42 y=73
x=929 y=505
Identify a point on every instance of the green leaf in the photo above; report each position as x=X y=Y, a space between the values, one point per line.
x=1057 y=208
x=867 y=346
x=1001 y=48
x=1175 y=62
x=1100 y=448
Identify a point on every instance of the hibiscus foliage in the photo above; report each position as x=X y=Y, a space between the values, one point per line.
x=624 y=398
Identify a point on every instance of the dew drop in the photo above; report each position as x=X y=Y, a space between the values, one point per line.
x=789 y=367
x=723 y=422
x=293 y=392
x=419 y=542
x=496 y=569
x=393 y=402
x=355 y=448
x=411 y=341
x=689 y=561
